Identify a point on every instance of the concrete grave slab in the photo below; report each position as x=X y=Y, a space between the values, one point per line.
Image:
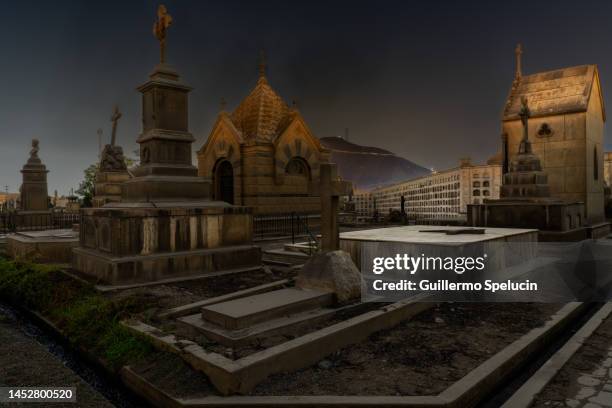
x=244 y=312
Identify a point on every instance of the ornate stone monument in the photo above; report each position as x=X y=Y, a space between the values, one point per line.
x=112 y=171
x=526 y=200
x=34 y=196
x=165 y=225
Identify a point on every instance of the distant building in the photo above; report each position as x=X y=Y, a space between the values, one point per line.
x=364 y=203
x=442 y=196
x=9 y=201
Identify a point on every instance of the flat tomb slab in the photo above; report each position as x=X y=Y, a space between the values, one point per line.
x=43 y=246
x=419 y=234
x=245 y=312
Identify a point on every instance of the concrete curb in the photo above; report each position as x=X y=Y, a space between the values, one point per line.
x=525 y=395
x=466 y=392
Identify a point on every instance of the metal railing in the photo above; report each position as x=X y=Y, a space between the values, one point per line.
x=284 y=225
x=14 y=221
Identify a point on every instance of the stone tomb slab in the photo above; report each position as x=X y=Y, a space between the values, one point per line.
x=44 y=246
x=259 y=331
x=428 y=238
x=245 y=312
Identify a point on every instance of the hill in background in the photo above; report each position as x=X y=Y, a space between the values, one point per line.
x=368 y=167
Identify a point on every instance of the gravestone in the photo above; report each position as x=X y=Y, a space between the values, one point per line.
x=34 y=197
x=166 y=224
x=34 y=194
x=112 y=171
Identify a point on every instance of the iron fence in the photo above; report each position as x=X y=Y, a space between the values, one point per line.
x=288 y=225
x=14 y=221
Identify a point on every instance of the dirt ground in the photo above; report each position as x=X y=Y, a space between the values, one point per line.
x=566 y=384
x=238 y=353
x=162 y=297
x=422 y=356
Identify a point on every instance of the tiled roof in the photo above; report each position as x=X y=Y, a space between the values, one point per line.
x=262 y=115
x=553 y=92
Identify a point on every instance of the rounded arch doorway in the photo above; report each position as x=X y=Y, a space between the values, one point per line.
x=224 y=181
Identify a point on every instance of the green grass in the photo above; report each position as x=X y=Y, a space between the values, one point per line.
x=87 y=318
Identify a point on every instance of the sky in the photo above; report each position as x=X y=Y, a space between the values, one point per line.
x=426 y=80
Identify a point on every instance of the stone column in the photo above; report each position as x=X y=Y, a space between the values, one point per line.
x=331 y=189
x=34 y=193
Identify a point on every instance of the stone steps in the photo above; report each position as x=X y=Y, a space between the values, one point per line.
x=287 y=258
x=245 y=312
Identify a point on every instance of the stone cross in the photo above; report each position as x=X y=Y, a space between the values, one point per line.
x=164 y=20
x=518 y=51
x=331 y=189
x=262 y=63
x=115 y=118
x=525 y=113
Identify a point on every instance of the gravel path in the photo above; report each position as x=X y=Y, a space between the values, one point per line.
x=24 y=362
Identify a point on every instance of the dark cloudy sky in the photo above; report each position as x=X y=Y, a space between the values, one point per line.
x=426 y=80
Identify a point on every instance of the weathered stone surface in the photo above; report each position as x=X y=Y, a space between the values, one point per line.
x=332 y=271
x=53 y=246
x=34 y=195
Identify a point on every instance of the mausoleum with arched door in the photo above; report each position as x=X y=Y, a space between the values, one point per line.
x=263 y=155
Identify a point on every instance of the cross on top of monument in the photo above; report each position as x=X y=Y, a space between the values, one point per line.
x=262 y=67
x=164 y=20
x=518 y=51
x=115 y=118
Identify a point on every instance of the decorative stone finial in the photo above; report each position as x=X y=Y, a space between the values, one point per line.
x=115 y=118
x=518 y=51
x=164 y=20
x=262 y=64
x=34 y=151
x=223 y=104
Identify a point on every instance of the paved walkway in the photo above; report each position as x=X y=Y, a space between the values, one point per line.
x=25 y=362
x=595 y=386
x=586 y=379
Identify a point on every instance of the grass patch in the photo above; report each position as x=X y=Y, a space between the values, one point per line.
x=87 y=318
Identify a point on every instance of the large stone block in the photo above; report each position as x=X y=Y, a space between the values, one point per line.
x=332 y=271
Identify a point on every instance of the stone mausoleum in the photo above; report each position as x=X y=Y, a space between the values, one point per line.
x=166 y=224
x=525 y=198
x=263 y=155
x=567 y=127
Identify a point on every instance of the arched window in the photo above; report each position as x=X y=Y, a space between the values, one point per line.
x=297 y=167
x=485 y=183
x=476 y=184
x=476 y=192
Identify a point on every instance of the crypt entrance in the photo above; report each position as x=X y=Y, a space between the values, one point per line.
x=223 y=178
